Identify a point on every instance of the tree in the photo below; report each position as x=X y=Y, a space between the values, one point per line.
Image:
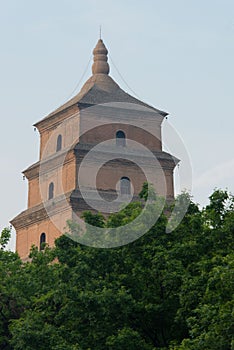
x=10 y=305
x=207 y=300
x=5 y=237
x=163 y=291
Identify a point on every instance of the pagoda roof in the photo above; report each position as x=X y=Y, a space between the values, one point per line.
x=100 y=88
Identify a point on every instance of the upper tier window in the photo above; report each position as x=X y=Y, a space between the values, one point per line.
x=51 y=191
x=125 y=186
x=120 y=138
x=59 y=143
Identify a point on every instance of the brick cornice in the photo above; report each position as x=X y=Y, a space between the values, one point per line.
x=52 y=121
x=166 y=160
x=51 y=163
x=42 y=212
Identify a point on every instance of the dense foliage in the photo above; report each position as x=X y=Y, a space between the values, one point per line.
x=164 y=291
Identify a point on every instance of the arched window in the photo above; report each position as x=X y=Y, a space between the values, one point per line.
x=51 y=190
x=42 y=241
x=59 y=143
x=120 y=138
x=125 y=186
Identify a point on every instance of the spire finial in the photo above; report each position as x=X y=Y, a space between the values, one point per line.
x=100 y=65
x=100 y=31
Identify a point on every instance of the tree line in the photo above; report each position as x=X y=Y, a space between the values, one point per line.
x=163 y=291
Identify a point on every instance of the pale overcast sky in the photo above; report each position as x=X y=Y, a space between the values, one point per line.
x=176 y=55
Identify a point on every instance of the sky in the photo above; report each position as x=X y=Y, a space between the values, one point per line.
x=175 y=55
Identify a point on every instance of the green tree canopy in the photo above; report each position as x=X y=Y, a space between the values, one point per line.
x=163 y=291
